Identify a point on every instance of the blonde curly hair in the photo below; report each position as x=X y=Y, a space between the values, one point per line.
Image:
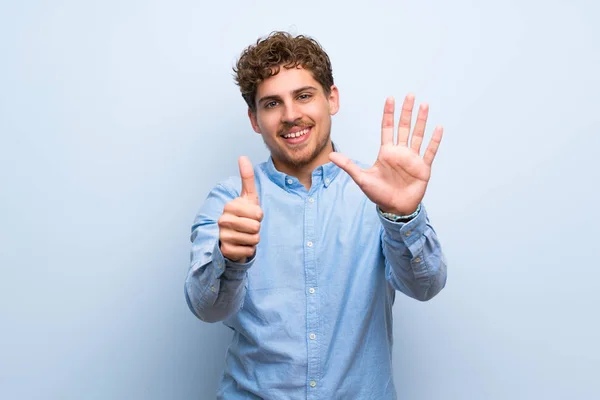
x=280 y=49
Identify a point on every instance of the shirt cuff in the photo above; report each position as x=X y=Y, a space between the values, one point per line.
x=409 y=232
x=231 y=269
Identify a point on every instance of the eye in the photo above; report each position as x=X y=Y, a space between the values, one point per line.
x=305 y=96
x=270 y=104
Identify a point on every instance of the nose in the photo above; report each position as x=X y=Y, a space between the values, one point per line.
x=291 y=113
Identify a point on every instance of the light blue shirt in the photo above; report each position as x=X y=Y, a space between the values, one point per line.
x=311 y=312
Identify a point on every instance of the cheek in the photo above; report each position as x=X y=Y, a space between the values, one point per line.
x=268 y=124
x=319 y=115
x=320 y=111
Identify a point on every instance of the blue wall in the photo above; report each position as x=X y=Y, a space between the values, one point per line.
x=116 y=118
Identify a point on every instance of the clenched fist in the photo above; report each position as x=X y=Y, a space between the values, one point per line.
x=239 y=225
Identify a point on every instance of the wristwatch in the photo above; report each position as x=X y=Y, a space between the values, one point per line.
x=399 y=218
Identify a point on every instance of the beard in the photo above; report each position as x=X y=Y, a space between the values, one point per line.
x=298 y=158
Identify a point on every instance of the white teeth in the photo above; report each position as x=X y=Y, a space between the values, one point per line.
x=297 y=134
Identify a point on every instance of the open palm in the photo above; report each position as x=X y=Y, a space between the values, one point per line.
x=398 y=180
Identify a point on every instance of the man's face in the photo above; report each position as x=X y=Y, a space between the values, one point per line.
x=293 y=114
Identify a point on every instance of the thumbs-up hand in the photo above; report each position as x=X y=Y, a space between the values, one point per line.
x=239 y=225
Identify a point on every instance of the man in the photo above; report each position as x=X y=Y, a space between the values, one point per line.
x=302 y=254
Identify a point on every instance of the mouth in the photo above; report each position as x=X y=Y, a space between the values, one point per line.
x=298 y=136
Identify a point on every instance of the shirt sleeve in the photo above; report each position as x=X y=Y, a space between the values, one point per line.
x=414 y=261
x=215 y=286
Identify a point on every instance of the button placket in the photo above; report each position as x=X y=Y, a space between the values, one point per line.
x=312 y=299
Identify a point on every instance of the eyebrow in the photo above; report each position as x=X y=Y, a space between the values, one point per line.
x=294 y=92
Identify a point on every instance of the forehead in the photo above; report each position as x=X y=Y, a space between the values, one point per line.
x=286 y=81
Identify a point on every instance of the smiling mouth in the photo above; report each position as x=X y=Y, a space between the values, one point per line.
x=296 y=134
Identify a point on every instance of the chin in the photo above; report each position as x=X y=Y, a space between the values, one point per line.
x=303 y=157
x=298 y=157
x=296 y=161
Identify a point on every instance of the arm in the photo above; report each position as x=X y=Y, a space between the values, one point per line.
x=215 y=285
x=414 y=261
x=224 y=237
x=397 y=183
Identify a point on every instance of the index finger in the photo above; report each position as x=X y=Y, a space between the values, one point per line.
x=247 y=175
x=387 y=123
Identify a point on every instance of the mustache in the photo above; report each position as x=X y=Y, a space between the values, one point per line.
x=286 y=126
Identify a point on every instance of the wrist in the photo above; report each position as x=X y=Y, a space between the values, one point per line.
x=397 y=212
x=399 y=215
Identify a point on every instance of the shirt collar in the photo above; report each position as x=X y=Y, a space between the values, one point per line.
x=327 y=172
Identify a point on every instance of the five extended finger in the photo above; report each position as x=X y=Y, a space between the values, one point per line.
x=405 y=120
x=347 y=165
x=419 y=132
x=434 y=144
x=387 y=123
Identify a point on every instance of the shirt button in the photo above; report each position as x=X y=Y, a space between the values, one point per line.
x=312 y=336
x=289 y=181
x=311 y=290
x=407 y=233
x=311 y=200
x=309 y=244
x=418 y=259
x=313 y=383
x=327 y=181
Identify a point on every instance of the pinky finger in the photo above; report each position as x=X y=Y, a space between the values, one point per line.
x=434 y=144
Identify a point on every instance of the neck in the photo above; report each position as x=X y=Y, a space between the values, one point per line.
x=304 y=172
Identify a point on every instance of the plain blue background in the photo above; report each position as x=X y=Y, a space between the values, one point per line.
x=117 y=117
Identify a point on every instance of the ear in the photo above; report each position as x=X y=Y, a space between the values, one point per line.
x=253 y=121
x=334 y=100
